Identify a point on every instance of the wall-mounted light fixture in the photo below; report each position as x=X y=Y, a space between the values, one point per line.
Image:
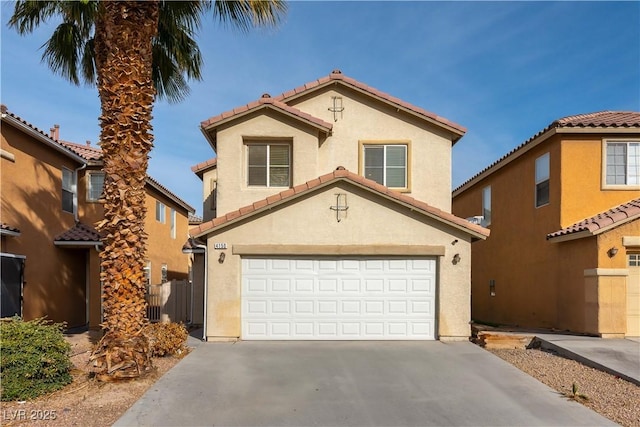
x=456 y=259
x=221 y=257
x=612 y=252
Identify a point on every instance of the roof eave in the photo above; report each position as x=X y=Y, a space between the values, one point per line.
x=172 y=197
x=474 y=234
x=526 y=147
x=458 y=133
x=78 y=243
x=42 y=138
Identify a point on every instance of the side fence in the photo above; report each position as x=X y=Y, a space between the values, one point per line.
x=169 y=302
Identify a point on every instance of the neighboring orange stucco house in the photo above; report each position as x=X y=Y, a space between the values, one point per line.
x=564 y=214
x=50 y=202
x=327 y=215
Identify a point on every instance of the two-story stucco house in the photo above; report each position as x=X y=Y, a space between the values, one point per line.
x=327 y=216
x=50 y=200
x=564 y=213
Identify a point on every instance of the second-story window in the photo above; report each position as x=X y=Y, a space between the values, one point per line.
x=486 y=206
x=622 y=163
x=269 y=165
x=386 y=164
x=68 y=190
x=95 y=186
x=542 y=180
x=160 y=212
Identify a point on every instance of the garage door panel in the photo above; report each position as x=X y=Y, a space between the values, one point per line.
x=331 y=299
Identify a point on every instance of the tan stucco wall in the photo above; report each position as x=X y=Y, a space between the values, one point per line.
x=371 y=221
x=542 y=283
x=31 y=194
x=516 y=254
x=209 y=183
x=313 y=154
x=582 y=190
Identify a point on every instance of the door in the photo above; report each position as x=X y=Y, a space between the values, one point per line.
x=11 y=272
x=338 y=298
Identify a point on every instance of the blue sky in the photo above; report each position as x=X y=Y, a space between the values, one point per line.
x=504 y=70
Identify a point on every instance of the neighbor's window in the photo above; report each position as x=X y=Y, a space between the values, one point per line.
x=386 y=164
x=164 y=273
x=96 y=186
x=269 y=165
x=160 y=212
x=172 y=219
x=486 y=206
x=623 y=163
x=542 y=180
x=147 y=273
x=68 y=190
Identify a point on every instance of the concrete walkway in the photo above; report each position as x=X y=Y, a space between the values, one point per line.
x=620 y=357
x=355 y=383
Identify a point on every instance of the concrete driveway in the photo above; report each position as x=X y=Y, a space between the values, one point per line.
x=351 y=384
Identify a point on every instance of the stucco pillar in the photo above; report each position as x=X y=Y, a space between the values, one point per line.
x=605 y=302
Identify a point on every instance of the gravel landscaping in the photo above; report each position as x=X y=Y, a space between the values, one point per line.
x=612 y=397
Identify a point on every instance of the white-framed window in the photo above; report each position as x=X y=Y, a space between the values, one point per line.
x=95 y=186
x=147 y=273
x=68 y=190
x=172 y=220
x=634 y=260
x=486 y=206
x=268 y=164
x=164 y=273
x=160 y=212
x=621 y=163
x=542 y=180
x=386 y=164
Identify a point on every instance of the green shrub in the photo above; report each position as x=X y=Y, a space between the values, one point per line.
x=167 y=338
x=34 y=360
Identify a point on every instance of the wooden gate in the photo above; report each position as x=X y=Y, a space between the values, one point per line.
x=169 y=302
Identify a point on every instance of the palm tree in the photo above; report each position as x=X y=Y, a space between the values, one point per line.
x=132 y=51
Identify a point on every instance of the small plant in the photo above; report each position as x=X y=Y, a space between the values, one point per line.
x=575 y=395
x=35 y=358
x=167 y=338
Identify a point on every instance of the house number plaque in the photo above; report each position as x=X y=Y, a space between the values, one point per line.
x=219 y=246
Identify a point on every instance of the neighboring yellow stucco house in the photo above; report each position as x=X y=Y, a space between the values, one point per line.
x=327 y=216
x=564 y=214
x=50 y=191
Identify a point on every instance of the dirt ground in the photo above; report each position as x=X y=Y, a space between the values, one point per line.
x=84 y=402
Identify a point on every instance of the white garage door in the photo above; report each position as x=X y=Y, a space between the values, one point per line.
x=338 y=299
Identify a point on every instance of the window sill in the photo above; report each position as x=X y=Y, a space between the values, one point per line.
x=620 y=187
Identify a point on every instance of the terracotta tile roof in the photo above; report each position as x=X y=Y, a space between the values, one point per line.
x=79 y=233
x=4 y=227
x=339 y=174
x=624 y=119
x=169 y=194
x=597 y=121
x=194 y=219
x=201 y=167
x=38 y=133
x=603 y=221
x=266 y=102
x=336 y=75
x=5 y=110
x=87 y=152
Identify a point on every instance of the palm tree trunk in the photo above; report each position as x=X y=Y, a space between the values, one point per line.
x=123 y=51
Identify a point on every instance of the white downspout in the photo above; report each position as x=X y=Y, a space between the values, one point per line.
x=76 y=208
x=206 y=287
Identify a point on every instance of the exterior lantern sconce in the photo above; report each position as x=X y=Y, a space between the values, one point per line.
x=221 y=257
x=612 y=252
x=456 y=259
